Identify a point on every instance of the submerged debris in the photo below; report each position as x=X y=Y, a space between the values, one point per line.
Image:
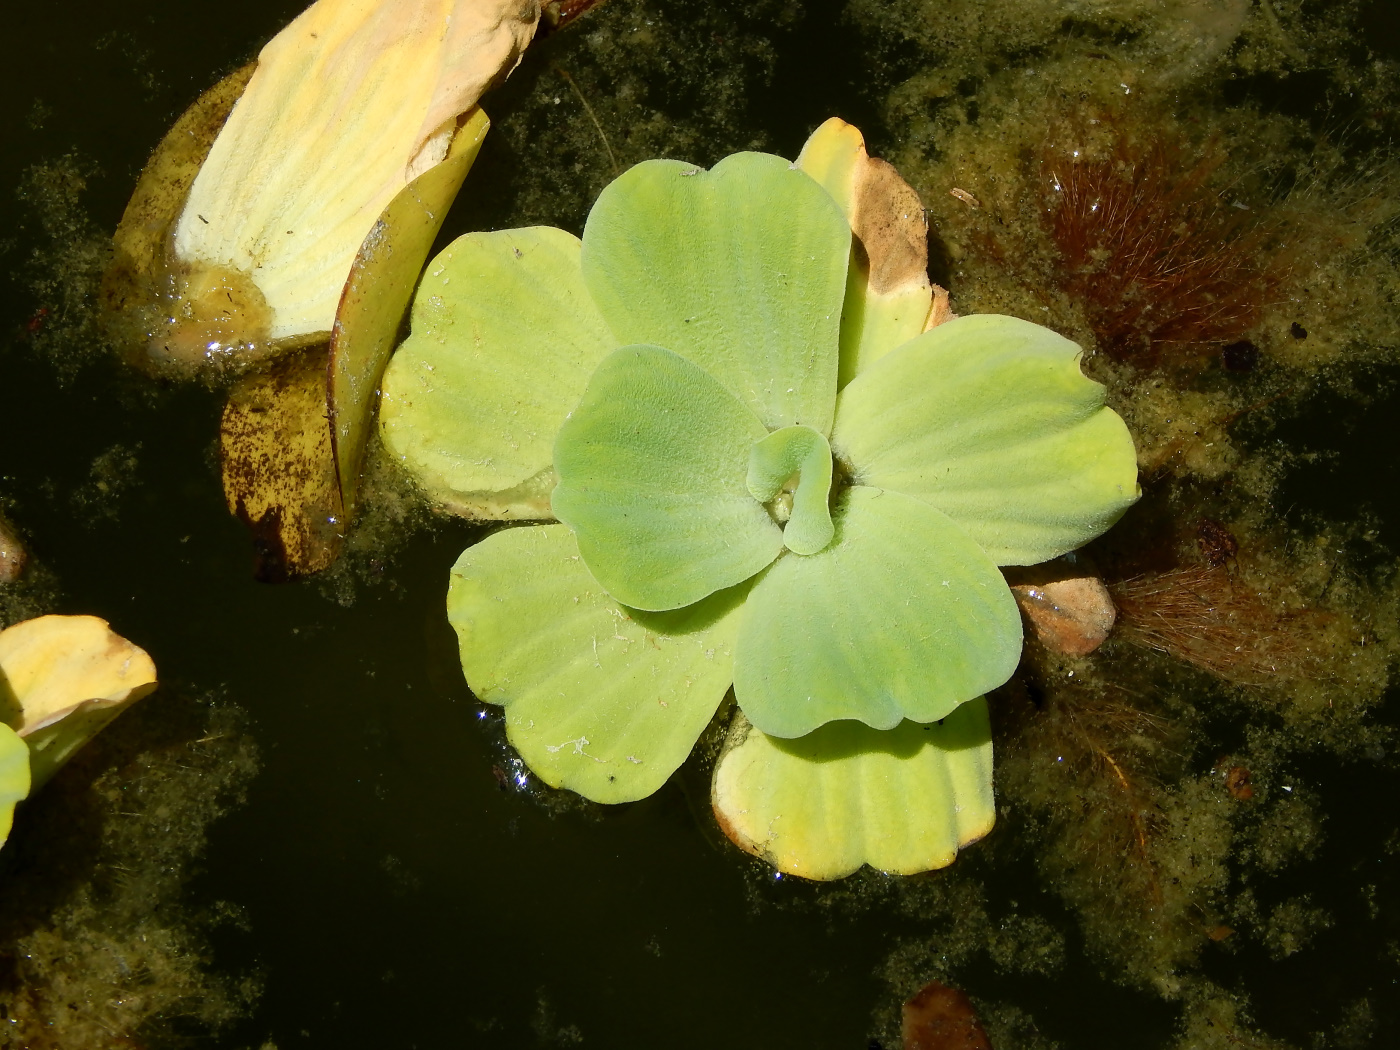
x=13 y=556
x=942 y=1018
x=1071 y=616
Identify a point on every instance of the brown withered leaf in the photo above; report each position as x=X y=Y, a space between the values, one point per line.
x=889 y=298
x=278 y=467
x=941 y=1018
x=887 y=218
x=13 y=556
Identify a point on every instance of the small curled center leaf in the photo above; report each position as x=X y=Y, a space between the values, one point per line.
x=802 y=451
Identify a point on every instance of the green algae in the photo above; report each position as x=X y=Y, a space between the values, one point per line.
x=101 y=938
x=64 y=269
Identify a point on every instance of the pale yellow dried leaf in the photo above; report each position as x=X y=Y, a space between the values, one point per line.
x=348 y=105
x=62 y=678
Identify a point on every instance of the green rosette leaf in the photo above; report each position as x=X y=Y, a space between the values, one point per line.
x=600 y=699
x=990 y=419
x=740 y=269
x=902 y=801
x=504 y=339
x=901 y=616
x=804 y=452
x=652 y=467
x=14 y=776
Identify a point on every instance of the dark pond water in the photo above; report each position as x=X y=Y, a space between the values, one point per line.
x=392 y=892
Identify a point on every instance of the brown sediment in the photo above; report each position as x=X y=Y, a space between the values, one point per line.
x=938 y=1017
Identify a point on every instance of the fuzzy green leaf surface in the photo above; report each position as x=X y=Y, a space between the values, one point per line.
x=652 y=467
x=990 y=419
x=740 y=269
x=802 y=451
x=902 y=801
x=14 y=776
x=600 y=699
x=901 y=616
x=504 y=339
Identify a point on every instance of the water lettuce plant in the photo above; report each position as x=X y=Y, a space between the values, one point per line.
x=768 y=477
x=62 y=680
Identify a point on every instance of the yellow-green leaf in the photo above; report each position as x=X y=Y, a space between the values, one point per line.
x=652 y=471
x=504 y=340
x=740 y=269
x=62 y=678
x=990 y=419
x=900 y=616
x=372 y=306
x=14 y=777
x=601 y=699
x=902 y=800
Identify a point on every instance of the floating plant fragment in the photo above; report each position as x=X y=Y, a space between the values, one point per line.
x=346 y=107
x=1072 y=616
x=294 y=204
x=62 y=679
x=848 y=588
x=14 y=777
x=903 y=800
x=377 y=293
x=138 y=285
x=278 y=466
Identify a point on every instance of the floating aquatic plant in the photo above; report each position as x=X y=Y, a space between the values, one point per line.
x=290 y=209
x=734 y=514
x=248 y=243
x=62 y=679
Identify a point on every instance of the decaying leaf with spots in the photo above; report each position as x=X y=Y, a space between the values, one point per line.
x=278 y=467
